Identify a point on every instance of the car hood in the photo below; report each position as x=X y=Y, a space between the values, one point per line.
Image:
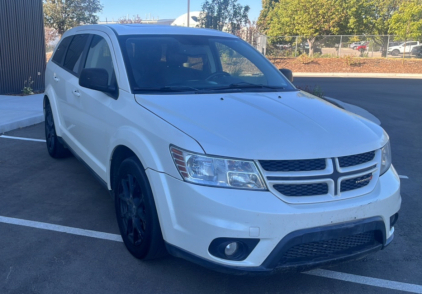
x=285 y=125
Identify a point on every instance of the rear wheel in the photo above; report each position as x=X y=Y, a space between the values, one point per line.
x=395 y=52
x=136 y=212
x=54 y=147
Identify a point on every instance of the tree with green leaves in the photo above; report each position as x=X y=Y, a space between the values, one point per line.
x=223 y=15
x=373 y=17
x=311 y=19
x=267 y=7
x=406 y=23
x=63 y=15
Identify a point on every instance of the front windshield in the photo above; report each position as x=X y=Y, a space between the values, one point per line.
x=192 y=64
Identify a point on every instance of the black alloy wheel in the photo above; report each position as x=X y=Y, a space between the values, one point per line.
x=132 y=210
x=136 y=212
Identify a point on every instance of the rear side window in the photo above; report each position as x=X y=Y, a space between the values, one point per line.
x=73 y=57
x=61 y=50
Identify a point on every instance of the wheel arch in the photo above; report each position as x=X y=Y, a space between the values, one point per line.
x=149 y=146
x=120 y=153
x=49 y=97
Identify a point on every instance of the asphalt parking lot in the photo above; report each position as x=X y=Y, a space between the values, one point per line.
x=58 y=232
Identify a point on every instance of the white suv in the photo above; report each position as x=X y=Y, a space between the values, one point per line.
x=211 y=154
x=405 y=47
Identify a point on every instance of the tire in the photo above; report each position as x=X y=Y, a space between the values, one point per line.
x=54 y=147
x=136 y=212
x=395 y=52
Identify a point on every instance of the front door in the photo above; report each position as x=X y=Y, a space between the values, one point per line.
x=94 y=109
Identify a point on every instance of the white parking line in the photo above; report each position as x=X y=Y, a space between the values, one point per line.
x=20 y=138
x=403 y=177
x=366 y=280
x=375 y=282
x=62 y=229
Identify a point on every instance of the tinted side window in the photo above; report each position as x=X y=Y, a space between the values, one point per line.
x=74 y=53
x=61 y=50
x=99 y=56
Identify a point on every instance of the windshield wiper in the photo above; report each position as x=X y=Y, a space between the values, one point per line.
x=245 y=85
x=166 y=89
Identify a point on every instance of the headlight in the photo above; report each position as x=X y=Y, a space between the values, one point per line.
x=385 y=158
x=218 y=172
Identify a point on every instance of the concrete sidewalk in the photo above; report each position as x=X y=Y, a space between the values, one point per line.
x=20 y=111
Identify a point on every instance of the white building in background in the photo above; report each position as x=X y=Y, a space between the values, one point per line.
x=182 y=20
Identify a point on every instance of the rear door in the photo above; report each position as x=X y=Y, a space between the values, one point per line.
x=55 y=77
x=411 y=45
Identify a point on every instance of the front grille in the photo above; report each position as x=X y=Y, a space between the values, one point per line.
x=302 y=189
x=352 y=160
x=326 y=248
x=293 y=165
x=355 y=183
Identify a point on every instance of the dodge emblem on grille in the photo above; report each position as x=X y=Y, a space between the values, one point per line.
x=364 y=180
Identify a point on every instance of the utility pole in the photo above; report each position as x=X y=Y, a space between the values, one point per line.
x=188 y=12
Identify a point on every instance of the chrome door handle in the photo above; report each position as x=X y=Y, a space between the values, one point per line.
x=76 y=93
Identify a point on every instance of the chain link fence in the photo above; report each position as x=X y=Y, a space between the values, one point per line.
x=339 y=46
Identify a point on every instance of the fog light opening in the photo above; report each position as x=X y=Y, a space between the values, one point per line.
x=231 y=249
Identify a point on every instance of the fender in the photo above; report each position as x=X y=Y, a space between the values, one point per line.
x=152 y=154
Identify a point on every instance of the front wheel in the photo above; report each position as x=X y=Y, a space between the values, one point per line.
x=136 y=212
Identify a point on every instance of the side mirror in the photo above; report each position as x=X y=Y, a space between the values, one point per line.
x=287 y=73
x=96 y=79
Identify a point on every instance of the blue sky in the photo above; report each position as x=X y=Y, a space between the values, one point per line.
x=161 y=8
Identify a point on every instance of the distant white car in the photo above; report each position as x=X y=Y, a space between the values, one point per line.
x=212 y=154
x=405 y=47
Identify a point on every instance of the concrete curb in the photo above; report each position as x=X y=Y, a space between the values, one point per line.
x=357 y=75
x=20 y=111
x=21 y=123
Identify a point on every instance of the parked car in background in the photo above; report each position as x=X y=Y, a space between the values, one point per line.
x=211 y=154
x=284 y=46
x=363 y=47
x=416 y=51
x=354 y=45
x=405 y=48
x=304 y=47
x=391 y=44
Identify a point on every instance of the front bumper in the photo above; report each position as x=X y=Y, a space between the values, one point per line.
x=192 y=216
x=327 y=237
